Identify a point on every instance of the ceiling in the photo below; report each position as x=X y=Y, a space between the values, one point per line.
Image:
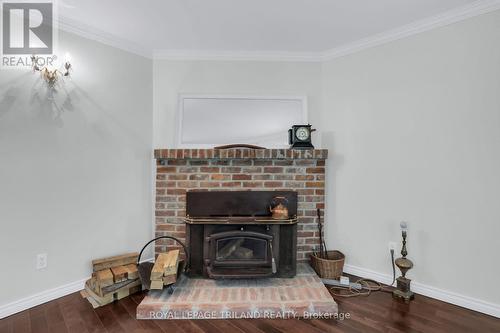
x=291 y=27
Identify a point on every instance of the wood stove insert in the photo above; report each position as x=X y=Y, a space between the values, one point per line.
x=231 y=234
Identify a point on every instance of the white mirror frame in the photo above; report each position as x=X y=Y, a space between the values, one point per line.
x=180 y=110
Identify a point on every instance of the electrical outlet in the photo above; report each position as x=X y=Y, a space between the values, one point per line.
x=41 y=261
x=393 y=246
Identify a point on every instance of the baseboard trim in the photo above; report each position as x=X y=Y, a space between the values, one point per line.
x=471 y=303
x=467 y=302
x=45 y=296
x=40 y=298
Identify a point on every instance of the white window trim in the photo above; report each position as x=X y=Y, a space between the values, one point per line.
x=180 y=108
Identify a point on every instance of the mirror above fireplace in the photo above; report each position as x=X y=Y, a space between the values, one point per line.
x=205 y=121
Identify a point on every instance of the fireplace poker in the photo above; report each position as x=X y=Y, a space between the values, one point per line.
x=323 y=252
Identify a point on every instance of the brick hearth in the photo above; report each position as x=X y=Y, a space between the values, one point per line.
x=301 y=296
x=181 y=170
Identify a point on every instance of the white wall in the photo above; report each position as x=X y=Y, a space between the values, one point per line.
x=75 y=171
x=414 y=131
x=172 y=78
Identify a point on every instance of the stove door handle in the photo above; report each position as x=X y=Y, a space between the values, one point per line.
x=273 y=262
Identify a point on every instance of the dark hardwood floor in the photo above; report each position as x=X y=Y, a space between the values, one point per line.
x=376 y=313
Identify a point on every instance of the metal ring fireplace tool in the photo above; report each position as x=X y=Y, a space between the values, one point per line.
x=145 y=268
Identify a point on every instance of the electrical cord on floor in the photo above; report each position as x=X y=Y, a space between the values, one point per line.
x=393 y=268
x=367 y=285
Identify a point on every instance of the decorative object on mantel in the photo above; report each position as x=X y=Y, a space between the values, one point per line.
x=404 y=264
x=51 y=75
x=299 y=137
x=239 y=145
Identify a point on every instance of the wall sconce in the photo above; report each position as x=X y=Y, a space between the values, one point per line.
x=51 y=75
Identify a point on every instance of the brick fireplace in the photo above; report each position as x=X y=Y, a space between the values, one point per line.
x=182 y=170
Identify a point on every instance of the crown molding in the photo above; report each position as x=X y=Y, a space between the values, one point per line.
x=84 y=30
x=452 y=16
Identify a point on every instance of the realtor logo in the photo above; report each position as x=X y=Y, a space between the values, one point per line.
x=27 y=29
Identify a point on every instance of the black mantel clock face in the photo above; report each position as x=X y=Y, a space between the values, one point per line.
x=299 y=137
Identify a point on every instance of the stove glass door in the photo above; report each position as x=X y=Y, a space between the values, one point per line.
x=241 y=249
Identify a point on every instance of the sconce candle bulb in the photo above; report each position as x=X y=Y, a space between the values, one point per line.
x=403 y=226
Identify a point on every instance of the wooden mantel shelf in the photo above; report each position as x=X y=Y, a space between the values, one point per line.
x=240 y=153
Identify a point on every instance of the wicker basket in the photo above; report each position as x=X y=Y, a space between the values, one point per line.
x=330 y=268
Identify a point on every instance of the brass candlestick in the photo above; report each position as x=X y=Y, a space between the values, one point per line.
x=404 y=264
